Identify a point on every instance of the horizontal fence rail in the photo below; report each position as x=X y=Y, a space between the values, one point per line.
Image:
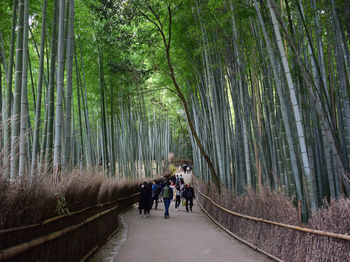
x=50 y=220
x=239 y=238
x=302 y=229
x=76 y=223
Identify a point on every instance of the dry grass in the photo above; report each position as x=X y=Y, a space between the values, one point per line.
x=25 y=201
x=333 y=217
x=287 y=244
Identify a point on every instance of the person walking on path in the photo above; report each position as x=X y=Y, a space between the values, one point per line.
x=184 y=168
x=182 y=181
x=144 y=200
x=188 y=194
x=149 y=190
x=167 y=194
x=172 y=186
x=178 y=197
x=155 y=194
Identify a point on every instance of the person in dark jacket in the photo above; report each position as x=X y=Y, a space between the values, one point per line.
x=144 y=200
x=188 y=194
x=184 y=167
x=149 y=188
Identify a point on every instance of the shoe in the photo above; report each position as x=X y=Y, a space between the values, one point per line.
x=175 y=209
x=140 y=216
x=191 y=209
x=147 y=215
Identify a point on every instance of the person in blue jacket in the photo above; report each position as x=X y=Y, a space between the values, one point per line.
x=167 y=194
x=155 y=193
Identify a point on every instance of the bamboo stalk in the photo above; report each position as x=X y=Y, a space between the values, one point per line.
x=16 y=112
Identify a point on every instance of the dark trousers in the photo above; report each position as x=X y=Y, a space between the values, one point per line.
x=189 y=201
x=144 y=210
x=166 y=205
x=155 y=199
x=177 y=201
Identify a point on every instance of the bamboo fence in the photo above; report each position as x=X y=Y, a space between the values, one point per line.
x=303 y=229
x=11 y=253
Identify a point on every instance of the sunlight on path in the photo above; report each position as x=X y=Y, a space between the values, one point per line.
x=187 y=177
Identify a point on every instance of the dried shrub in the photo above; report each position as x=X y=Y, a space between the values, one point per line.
x=333 y=217
x=105 y=191
x=81 y=191
x=26 y=201
x=29 y=201
x=287 y=244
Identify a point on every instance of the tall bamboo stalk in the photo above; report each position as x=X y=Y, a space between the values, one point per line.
x=8 y=105
x=15 y=122
x=283 y=107
x=39 y=90
x=296 y=111
x=103 y=108
x=60 y=85
x=24 y=97
x=51 y=91
x=70 y=43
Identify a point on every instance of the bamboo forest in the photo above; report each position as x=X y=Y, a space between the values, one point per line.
x=100 y=98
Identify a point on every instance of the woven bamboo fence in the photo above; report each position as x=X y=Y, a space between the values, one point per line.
x=295 y=235
x=70 y=237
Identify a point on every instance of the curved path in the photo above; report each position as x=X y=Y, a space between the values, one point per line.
x=185 y=236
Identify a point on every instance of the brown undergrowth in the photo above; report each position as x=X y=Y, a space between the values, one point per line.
x=286 y=244
x=25 y=201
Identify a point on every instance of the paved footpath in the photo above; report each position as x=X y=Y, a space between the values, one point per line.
x=185 y=236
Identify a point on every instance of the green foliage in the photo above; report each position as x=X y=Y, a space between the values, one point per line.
x=5 y=21
x=173 y=169
x=61 y=207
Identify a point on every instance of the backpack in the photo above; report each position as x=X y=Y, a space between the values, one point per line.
x=166 y=192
